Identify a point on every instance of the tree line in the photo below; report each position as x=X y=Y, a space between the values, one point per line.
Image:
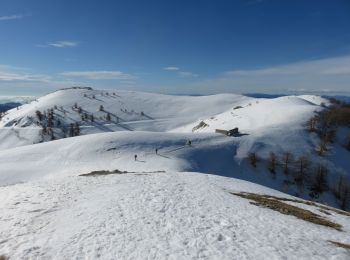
x=315 y=177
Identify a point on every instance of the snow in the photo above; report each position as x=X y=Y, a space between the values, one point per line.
x=160 y=112
x=166 y=123
x=259 y=115
x=155 y=216
x=175 y=204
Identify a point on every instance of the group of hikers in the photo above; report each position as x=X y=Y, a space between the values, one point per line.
x=189 y=143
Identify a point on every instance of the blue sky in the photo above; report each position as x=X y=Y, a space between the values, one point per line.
x=182 y=46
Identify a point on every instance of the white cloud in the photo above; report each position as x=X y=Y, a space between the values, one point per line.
x=99 y=74
x=330 y=66
x=21 y=77
x=187 y=74
x=11 y=17
x=8 y=73
x=59 y=44
x=171 y=68
x=332 y=74
x=63 y=44
x=182 y=74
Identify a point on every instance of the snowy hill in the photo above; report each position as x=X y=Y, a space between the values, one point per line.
x=122 y=110
x=88 y=196
x=266 y=125
x=100 y=111
x=160 y=216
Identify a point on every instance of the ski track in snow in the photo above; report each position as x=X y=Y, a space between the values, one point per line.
x=154 y=216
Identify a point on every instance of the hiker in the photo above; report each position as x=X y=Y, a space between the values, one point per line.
x=156 y=150
x=135 y=157
x=189 y=142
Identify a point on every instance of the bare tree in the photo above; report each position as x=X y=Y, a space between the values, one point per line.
x=76 y=129
x=287 y=159
x=341 y=191
x=39 y=115
x=345 y=197
x=322 y=147
x=303 y=164
x=319 y=181
x=311 y=124
x=339 y=186
x=347 y=145
x=253 y=159
x=272 y=162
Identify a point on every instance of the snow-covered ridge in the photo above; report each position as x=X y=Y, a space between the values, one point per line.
x=166 y=201
x=143 y=122
x=104 y=111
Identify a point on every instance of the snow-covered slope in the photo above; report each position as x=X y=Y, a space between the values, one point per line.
x=260 y=115
x=208 y=153
x=158 y=216
x=266 y=125
x=134 y=111
x=169 y=202
x=128 y=111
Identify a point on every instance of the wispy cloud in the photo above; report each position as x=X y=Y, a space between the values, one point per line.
x=59 y=44
x=180 y=73
x=187 y=74
x=8 y=73
x=330 y=66
x=171 y=68
x=11 y=17
x=332 y=74
x=99 y=74
x=22 y=77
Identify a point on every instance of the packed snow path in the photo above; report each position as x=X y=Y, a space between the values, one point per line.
x=155 y=216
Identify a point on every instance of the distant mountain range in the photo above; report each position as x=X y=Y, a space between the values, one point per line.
x=7 y=106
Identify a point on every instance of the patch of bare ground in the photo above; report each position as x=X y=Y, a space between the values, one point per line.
x=277 y=204
x=103 y=172
x=311 y=203
x=98 y=173
x=338 y=244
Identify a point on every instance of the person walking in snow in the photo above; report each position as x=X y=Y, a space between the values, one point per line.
x=189 y=142
x=156 y=150
x=135 y=157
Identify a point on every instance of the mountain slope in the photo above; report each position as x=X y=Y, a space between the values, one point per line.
x=135 y=111
x=128 y=111
x=208 y=153
x=89 y=197
x=156 y=216
x=266 y=126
